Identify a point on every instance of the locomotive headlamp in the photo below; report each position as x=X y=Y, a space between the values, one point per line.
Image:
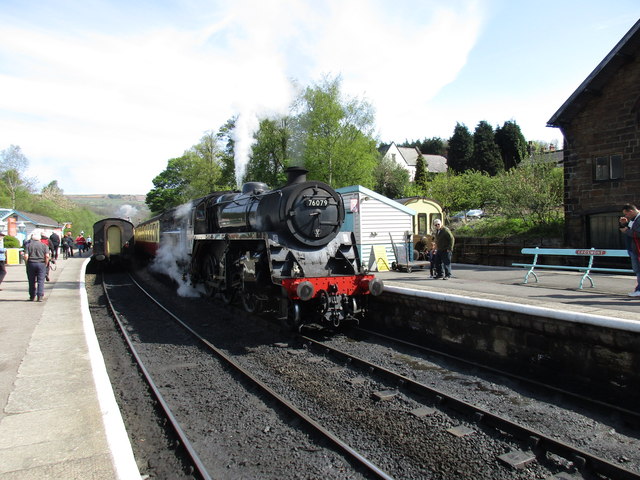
x=305 y=291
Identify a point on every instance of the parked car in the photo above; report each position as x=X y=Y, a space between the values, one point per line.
x=475 y=213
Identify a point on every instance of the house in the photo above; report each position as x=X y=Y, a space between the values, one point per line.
x=21 y=224
x=407 y=157
x=375 y=220
x=600 y=122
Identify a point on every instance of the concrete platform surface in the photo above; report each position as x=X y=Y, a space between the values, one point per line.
x=59 y=418
x=555 y=289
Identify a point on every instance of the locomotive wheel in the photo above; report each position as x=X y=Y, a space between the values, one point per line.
x=229 y=290
x=294 y=318
x=251 y=302
x=208 y=272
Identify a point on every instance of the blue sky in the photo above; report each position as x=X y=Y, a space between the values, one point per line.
x=100 y=94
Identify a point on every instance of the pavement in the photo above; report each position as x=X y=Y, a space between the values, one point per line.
x=59 y=418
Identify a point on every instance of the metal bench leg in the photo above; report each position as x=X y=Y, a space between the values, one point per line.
x=586 y=275
x=530 y=272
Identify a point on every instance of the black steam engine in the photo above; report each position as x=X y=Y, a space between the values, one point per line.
x=279 y=249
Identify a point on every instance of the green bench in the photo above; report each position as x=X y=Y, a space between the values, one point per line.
x=590 y=253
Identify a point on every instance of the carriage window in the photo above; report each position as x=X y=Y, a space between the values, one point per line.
x=422 y=224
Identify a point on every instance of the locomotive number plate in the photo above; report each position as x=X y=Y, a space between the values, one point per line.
x=316 y=202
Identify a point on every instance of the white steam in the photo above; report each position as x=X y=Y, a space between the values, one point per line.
x=172 y=258
x=127 y=211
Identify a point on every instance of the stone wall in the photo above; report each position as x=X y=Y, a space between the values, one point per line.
x=571 y=355
x=609 y=124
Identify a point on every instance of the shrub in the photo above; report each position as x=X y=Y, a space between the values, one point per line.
x=11 y=242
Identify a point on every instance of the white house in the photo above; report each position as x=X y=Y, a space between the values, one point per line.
x=407 y=157
x=375 y=220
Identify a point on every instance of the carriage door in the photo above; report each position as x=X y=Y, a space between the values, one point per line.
x=114 y=241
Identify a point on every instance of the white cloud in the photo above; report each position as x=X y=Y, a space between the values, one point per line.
x=102 y=112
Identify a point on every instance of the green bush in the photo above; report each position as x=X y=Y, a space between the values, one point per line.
x=11 y=242
x=502 y=227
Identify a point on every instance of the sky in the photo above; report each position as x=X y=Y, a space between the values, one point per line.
x=99 y=95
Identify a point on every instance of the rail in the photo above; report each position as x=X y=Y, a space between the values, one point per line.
x=589 y=253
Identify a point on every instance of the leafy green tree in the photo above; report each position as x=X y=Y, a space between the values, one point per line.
x=533 y=191
x=271 y=152
x=171 y=186
x=13 y=164
x=391 y=179
x=486 y=154
x=227 y=151
x=512 y=144
x=337 y=141
x=461 y=191
x=420 y=179
x=460 y=149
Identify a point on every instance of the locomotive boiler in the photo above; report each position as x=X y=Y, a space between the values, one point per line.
x=276 y=249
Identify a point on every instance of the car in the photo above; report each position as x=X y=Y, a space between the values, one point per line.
x=470 y=214
x=476 y=213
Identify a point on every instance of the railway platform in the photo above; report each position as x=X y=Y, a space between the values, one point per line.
x=556 y=290
x=59 y=418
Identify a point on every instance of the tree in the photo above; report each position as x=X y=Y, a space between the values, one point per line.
x=512 y=144
x=391 y=179
x=486 y=154
x=532 y=191
x=428 y=146
x=336 y=136
x=420 y=178
x=13 y=163
x=226 y=144
x=171 y=186
x=460 y=149
x=271 y=152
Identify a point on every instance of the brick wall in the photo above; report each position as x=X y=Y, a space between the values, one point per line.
x=607 y=125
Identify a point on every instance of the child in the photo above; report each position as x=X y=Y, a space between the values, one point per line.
x=431 y=255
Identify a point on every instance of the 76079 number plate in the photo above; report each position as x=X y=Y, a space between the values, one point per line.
x=316 y=202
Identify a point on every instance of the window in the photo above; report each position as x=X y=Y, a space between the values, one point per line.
x=608 y=168
x=422 y=224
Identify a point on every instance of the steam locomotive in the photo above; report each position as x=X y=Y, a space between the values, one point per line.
x=280 y=250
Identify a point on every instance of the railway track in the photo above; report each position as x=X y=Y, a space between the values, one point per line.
x=380 y=413
x=199 y=467
x=540 y=443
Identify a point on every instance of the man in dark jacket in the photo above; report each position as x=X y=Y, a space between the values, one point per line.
x=37 y=258
x=630 y=228
x=54 y=244
x=444 y=247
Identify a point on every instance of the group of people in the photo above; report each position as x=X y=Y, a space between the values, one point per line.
x=39 y=252
x=629 y=225
x=438 y=251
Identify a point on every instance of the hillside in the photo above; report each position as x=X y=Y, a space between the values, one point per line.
x=110 y=205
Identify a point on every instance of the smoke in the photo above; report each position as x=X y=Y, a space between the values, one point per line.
x=172 y=258
x=127 y=211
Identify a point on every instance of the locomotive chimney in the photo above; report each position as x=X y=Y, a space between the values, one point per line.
x=296 y=175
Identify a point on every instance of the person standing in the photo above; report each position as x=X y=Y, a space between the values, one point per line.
x=3 y=258
x=67 y=245
x=37 y=258
x=444 y=250
x=54 y=244
x=80 y=242
x=629 y=225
